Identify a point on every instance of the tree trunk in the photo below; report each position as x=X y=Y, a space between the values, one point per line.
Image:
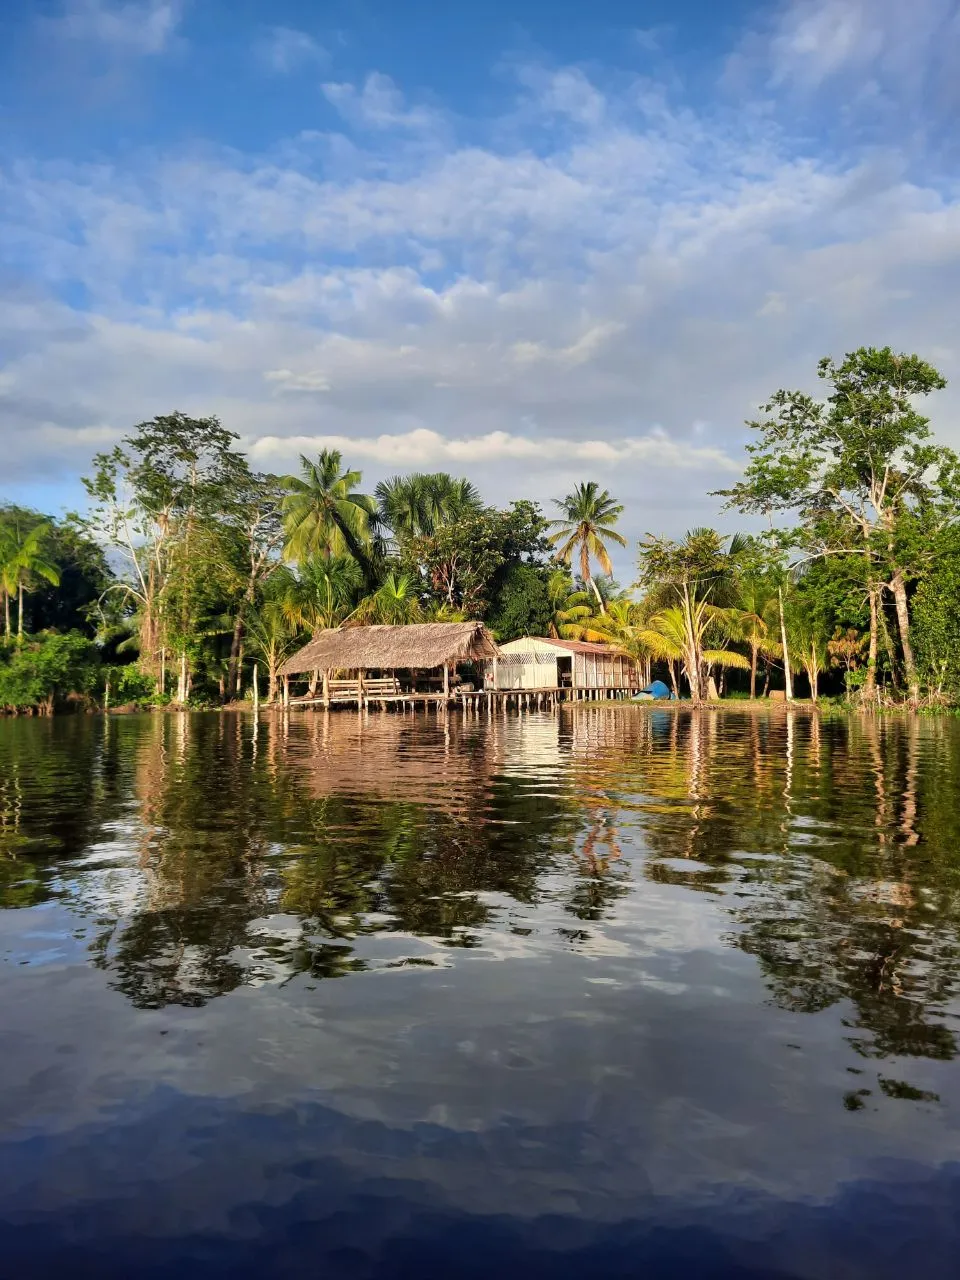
x=888 y=647
x=899 y=589
x=673 y=679
x=787 y=673
x=753 y=671
x=812 y=676
x=870 y=687
x=6 y=614
x=233 y=666
x=692 y=661
x=182 y=684
x=20 y=612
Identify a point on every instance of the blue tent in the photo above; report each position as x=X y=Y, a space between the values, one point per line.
x=657 y=689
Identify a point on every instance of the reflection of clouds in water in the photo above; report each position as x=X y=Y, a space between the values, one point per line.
x=659 y=919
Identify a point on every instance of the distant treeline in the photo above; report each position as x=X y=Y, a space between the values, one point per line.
x=187 y=567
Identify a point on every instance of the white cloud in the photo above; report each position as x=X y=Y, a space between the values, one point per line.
x=378 y=104
x=137 y=26
x=870 y=53
x=425 y=448
x=286 y=50
x=614 y=303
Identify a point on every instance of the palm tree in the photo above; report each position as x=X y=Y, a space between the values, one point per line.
x=416 y=505
x=624 y=625
x=569 y=608
x=24 y=560
x=589 y=514
x=324 y=515
x=8 y=585
x=681 y=635
x=396 y=601
x=273 y=636
x=808 y=645
x=756 y=622
x=321 y=595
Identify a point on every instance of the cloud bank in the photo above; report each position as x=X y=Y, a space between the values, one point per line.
x=601 y=279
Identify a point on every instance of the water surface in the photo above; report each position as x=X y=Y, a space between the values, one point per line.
x=618 y=991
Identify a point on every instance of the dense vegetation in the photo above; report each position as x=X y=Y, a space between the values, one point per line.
x=188 y=567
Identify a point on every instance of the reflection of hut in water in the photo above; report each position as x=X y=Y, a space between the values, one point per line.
x=384 y=662
x=582 y=669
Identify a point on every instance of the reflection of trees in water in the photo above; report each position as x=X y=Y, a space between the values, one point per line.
x=339 y=829
x=837 y=845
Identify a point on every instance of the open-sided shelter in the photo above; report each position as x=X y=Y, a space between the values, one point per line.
x=415 y=647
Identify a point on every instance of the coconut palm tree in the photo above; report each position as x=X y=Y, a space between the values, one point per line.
x=681 y=636
x=589 y=514
x=24 y=560
x=624 y=625
x=8 y=586
x=324 y=515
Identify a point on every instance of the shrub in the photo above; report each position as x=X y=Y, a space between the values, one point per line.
x=46 y=669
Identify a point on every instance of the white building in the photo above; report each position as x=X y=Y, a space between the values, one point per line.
x=536 y=662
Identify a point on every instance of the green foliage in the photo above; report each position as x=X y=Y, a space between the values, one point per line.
x=415 y=506
x=127 y=684
x=47 y=668
x=463 y=564
x=861 y=474
x=936 y=615
x=521 y=605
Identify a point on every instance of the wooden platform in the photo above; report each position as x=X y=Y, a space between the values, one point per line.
x=473 y=701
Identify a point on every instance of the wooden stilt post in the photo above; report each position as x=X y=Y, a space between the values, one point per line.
x=326 y=690
x=446 y=684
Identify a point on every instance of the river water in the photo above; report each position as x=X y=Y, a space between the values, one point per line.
x=618 y=991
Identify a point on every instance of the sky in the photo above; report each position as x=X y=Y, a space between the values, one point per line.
x=534 y=242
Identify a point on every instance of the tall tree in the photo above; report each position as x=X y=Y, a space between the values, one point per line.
x=255 y=513
x=860 y=471
x=587 y=524
x=325 y=515
x=148 y=497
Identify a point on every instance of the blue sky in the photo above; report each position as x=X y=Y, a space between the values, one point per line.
x=531 y=242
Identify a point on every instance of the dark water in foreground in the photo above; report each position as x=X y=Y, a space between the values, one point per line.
x=626 y=992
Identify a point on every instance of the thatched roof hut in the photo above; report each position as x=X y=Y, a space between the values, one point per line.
x=416 y=646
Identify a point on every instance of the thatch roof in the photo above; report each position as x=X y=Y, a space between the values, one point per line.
x=420 y=646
